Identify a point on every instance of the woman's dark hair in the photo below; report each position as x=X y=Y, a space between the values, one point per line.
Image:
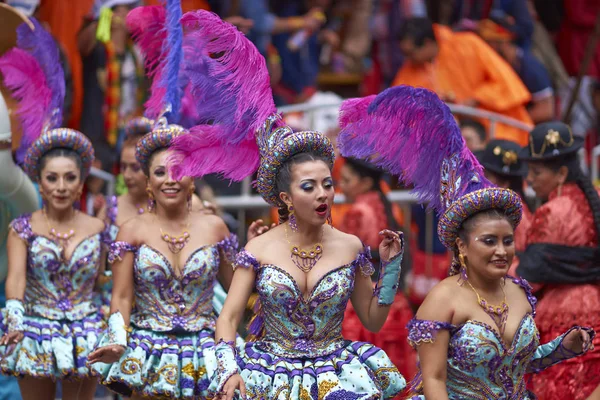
x=476 y=125
x=576 y=175
x=366 y=170
x=515 y=183
x=61 y=152
x=146 y=167
x=284 y=177
x=417 y=29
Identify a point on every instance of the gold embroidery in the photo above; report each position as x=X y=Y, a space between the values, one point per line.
x=130 y=366
x=509 y=157
x=189 y=369
x=324 y=388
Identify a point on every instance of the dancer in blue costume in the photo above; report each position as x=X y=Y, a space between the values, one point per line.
x=160 y=339
x=305 y=271
x=475 y=331
x=49 y=324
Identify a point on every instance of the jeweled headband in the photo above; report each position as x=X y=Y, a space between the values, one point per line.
x=277 y=144
x=138 y=126
x=58 y=138
x=159 y=138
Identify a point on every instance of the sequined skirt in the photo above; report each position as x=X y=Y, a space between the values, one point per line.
x=357 y=371
x=52 y=349
x=159 y=364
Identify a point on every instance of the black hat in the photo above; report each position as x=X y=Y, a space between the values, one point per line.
x=501 y=157
x=550 y=140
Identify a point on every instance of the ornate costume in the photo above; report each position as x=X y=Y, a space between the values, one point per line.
x=562 y=257
x=172 y=324
x=169 y=346
x=299 y=351
x=396 y=128
x=57 y=316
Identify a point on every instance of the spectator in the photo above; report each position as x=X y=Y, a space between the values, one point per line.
x=530 y=70
x=474 y=134
x=515 y=13
x=462 y=68
x=112 y=78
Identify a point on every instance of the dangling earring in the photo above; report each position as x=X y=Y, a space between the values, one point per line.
x=189 y=198
x=151 y=202
x=329 y=220
x=463 y=268
x=292 y=219
x=559 y=191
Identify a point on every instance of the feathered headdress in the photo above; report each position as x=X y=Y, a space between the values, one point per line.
x=33 y=73
x=230 y=82
x=158 y=33
x=411 y=133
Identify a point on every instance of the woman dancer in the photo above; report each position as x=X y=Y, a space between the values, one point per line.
x=50 y=323
x=170 y=276
x=370 y=212
x=505 y=169
x=305 y=271
x=475 y=332
x=562 y=254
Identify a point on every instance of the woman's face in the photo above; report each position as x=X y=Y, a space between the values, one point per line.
x=490 y=248
x=352 y=184
x=168 y=193
x=544 y=180
x=311 y=192
x=60 y=183
x=133 y=175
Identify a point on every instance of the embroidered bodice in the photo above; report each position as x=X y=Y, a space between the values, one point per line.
x=166 y=301
x=480 y=364
x=295 y=326
x=59 y=288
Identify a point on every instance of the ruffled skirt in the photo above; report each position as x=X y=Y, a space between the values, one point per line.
x=52 y=349
x=358 y=371
x=158 y=364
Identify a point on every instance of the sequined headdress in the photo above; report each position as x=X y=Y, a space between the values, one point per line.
x=159 y=34
x=411 y=133
x=240 y=131
x=32 y=71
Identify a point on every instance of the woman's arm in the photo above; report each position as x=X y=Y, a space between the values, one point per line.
x=373 y=307
x=228 y=379
x=429 y=333
x=16 y=249
x=86 y=39
x=122 y=258
x=15 y=287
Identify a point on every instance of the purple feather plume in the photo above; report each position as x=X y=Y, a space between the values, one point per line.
x=158 y=33
x=24 y=77
x=230 y=82
x=409 y=132
x=40 y=44
x=147 y=28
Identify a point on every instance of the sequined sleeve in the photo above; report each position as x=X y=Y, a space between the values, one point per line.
x=117 y=249
x=363 y=261
x=528 y=292
x=424 y=331
x=22 y=227
x=552 y=353
x=229 y=247
x=245 y=260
